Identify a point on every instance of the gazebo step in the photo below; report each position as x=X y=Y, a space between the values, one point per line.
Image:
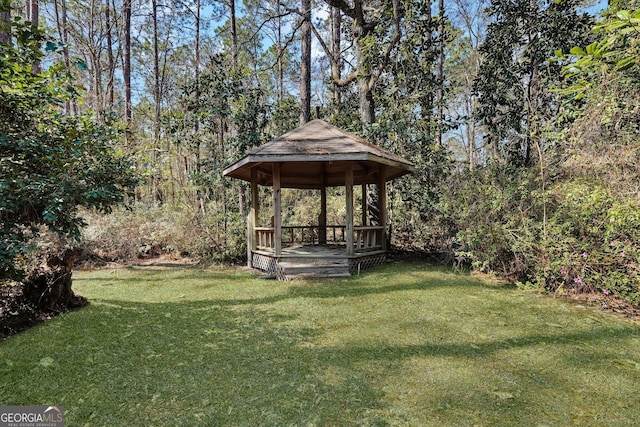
x=314 y=260
x=291 y=270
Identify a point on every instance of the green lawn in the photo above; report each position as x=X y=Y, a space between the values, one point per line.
x=406 y=344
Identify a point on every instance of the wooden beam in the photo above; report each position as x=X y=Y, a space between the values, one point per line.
x=348 y=183
x=255 y=197
x=364 y=205
x=322 y=221
x=277 y=210
x=382 y=204
x=252 y=218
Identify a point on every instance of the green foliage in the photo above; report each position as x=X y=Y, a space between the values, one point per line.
x=588 y=242
x=514 y=79
x=592 y=243
x=493 y=213
x=285 y=116
x=614 y=56
x=50 y=163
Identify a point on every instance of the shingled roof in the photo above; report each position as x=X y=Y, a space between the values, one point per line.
x=316 y=155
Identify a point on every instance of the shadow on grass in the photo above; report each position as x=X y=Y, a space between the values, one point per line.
x=138 y=275
x=187 y=363
x=223 y=362
x=377 y=282
x=474 y=350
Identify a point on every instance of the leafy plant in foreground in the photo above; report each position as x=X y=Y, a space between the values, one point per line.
x=50 y=163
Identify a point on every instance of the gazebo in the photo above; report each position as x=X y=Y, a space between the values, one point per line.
x=316 y=156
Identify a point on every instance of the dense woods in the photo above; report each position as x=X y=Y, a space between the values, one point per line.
x=521 y=116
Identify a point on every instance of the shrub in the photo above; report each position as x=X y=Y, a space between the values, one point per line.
x=587 y=242
x=148 y=231
x=592 y=242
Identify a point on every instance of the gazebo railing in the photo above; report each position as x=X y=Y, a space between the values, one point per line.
x=366 y=238
x=265 y=237
x=312 y=234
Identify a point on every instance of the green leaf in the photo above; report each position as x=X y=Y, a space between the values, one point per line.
x=592 y=49
x=81 y=64
x=577 y=51
x=624 y=15
x=625 y=63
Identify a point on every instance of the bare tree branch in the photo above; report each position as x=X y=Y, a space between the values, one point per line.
x=323 y=44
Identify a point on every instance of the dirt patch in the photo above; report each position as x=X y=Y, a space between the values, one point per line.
x=165 y=260
x=610 y=303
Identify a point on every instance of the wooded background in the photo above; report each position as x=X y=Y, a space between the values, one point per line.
x=521 y=116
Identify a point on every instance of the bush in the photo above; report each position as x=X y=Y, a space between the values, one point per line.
x=149 y=231
x=588 y=241
x=592 y=242
x=492 y=212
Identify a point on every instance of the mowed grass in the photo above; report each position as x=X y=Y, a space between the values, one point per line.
x=404 y=345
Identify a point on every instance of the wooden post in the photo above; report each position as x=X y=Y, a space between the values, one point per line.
x=277 y=210
x=322 y=221
x=364 y=204
x=251 y=239
x=252 y=218
x=348 y=183
x=382 y=204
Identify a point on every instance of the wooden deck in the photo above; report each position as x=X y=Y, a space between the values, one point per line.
x=307 y=261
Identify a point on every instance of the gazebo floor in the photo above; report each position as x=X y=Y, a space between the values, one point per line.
x=304 y=261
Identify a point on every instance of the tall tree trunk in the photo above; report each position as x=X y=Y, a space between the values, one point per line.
x=156 y=99
x=33 y=12
x=110 y=60
x=365 y=96
x=336 y=54
x=60 y=8
x=426 y=56
x=5 y=22
x=305 y=66
x=471 y=132
x=33 y=16
x=126 y=63
x=364 y=75
x=234 y=34
x=440 y=75
x=94 y=52
x=196 y=66
x=280 y=66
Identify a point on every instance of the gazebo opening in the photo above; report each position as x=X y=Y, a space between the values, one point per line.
x=319 y=159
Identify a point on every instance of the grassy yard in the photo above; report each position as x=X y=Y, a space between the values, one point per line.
x=404 y=345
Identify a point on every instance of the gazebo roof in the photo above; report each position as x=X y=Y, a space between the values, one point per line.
x=316 y=155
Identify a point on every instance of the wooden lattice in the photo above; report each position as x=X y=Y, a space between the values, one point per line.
x=264 y=263
x=280 y=274
x=364 y=263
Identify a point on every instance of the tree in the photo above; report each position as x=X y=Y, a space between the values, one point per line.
x=126 y=61
x=372 y=53
x=513 y=82
x=50 y=163
x=305 y=64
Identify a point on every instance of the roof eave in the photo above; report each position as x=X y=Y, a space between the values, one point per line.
x=354 y=157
